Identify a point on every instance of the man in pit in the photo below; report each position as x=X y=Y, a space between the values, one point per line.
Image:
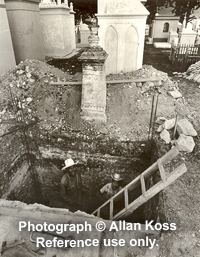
x=71 y=186
x=112 y=188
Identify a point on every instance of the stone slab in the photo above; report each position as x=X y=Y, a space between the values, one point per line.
x=163 y=45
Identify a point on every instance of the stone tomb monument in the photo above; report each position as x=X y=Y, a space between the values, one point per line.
x=7 y=58
x=93 y=100
x=25 y=28
x=122 y=32
x=187 y=35
x=58 y=28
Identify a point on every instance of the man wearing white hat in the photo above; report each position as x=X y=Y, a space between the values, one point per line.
x=112 y=188
x=71 y=185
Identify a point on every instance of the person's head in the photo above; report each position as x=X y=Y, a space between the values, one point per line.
x=71 y=171
x=116 y=180
x=69 y=167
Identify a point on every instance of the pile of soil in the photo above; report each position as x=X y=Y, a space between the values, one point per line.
x=57 y=108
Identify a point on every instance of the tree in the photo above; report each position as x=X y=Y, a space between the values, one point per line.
x=185 y=7
x=154 y=6
x=180 y=7
x=86 y=8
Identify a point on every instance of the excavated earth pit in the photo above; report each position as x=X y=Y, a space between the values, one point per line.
x=40 y=127
x=34 y=176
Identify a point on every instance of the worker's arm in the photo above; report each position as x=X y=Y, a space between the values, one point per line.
x=104 y=192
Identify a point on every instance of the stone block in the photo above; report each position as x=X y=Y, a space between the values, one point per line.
x=175 y=94
x=185 y=143
x=169 y=124
x=164 y=135
x=186 y=128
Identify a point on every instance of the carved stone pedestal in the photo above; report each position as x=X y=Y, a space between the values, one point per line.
x=93 y=101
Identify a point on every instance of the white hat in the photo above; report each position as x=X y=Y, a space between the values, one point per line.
x=69 y=162
x=116 y=177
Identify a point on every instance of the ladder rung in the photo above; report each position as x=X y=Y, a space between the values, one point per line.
x=162 y=171
x=111 y=208
x=126 y=197
x=143 y=185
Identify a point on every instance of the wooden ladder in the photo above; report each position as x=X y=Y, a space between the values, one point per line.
x=124 y=195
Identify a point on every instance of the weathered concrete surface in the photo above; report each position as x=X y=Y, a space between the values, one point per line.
x=6 y=54
x=58 y=29
x=13 y=212
x=93 y=100
x=25 y=28
x=122 y=31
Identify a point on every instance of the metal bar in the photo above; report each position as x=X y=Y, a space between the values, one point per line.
x=151 y=118
x=175 y=127
x=154 y=120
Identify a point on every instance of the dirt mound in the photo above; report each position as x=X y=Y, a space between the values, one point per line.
x=30 y=97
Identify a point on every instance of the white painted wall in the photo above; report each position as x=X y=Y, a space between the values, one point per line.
x=122 y=33
x=116 y=44
x=159 y=24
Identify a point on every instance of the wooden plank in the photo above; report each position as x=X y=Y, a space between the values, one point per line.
x=143 y=185
x=180 y=170
x=65 y=83
x=152 y=79
x=111 y=209
x=165 y=158
x=133 y=184
x=162 y=171
x=126 y=197
x=142 y=80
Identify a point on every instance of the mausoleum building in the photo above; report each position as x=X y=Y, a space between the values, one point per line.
x=122 y=32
